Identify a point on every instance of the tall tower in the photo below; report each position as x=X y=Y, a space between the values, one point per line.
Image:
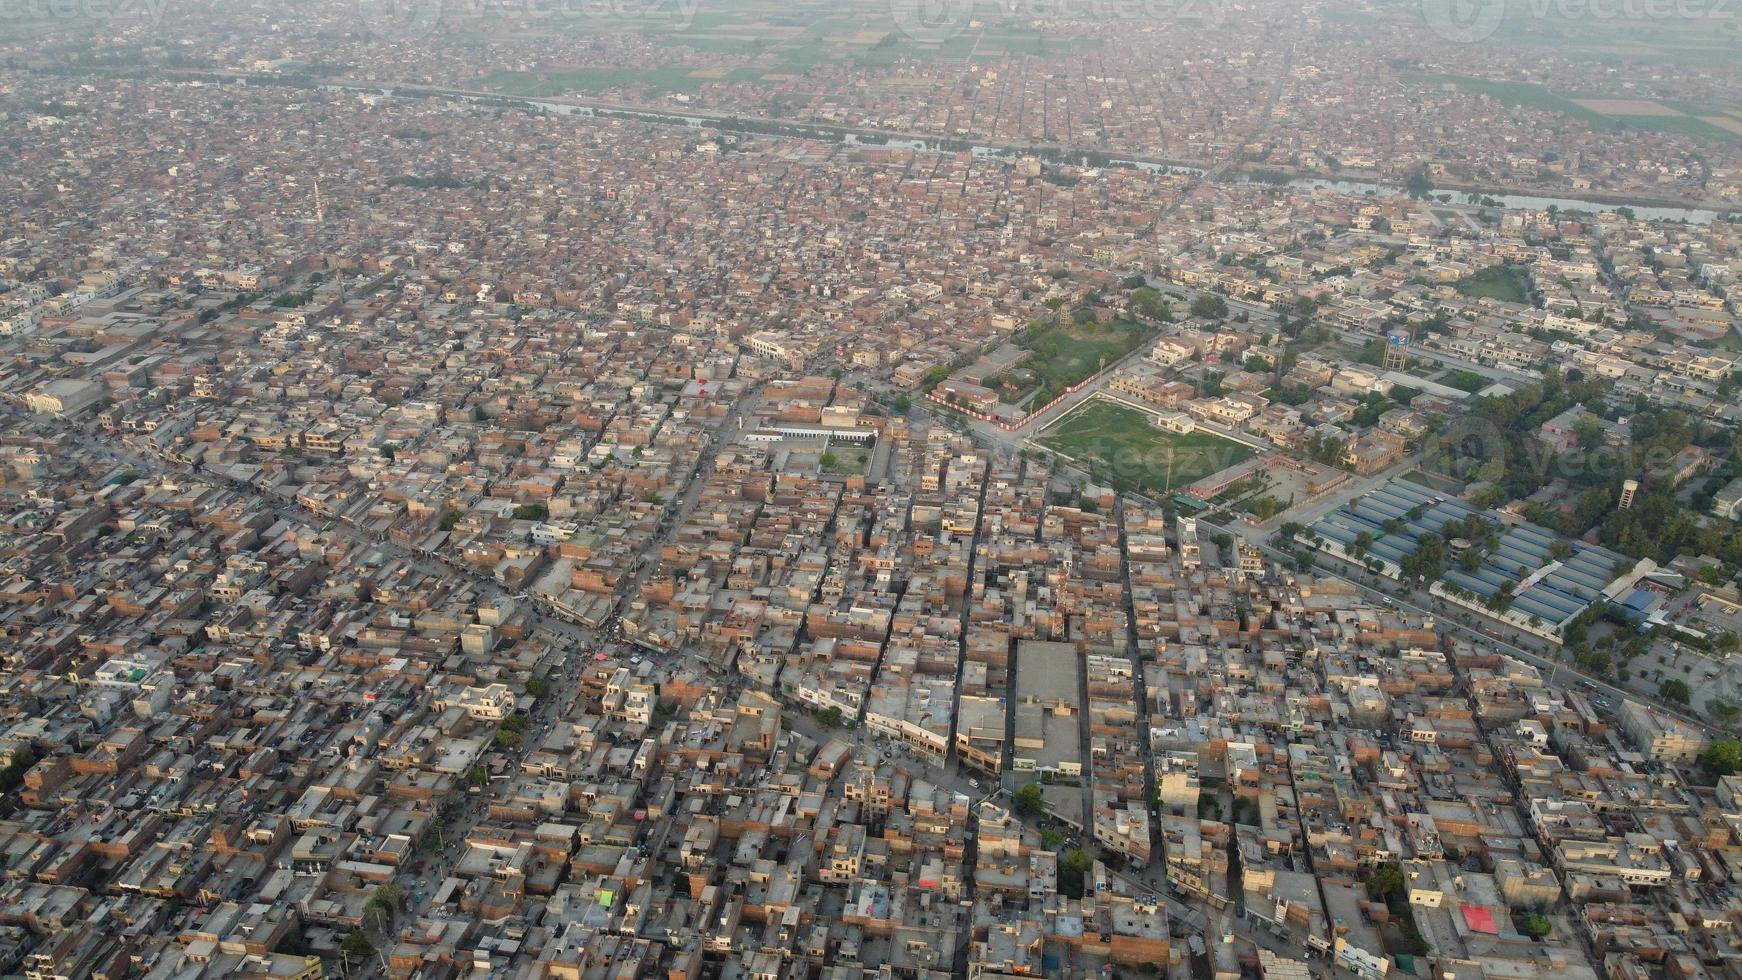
x=1628 y=489
x=1397 y=351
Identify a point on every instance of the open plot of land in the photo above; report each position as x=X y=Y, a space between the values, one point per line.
x=1070 y=350
x=1464 y=380
x=845 y=459
x=1507 y=283
x=1121 y=444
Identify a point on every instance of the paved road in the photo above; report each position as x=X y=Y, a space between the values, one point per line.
x=1493 y=372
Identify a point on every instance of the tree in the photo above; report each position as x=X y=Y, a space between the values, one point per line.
x=1589 y=430
x=1051 y=839
x=1074 y=867
x=431 y=841
x=538 y=687
x=1029 y=800
x=1722 y=757
x=531 y=512
x=452 y=518
x=384 y=902
x=829 y=460
x=477 y=776
x=1675 y=690
x=1538 y=925
x=829 y=717
x=506 y=739
x=15 y=770
x=1428 y=560
x=1385 y=881
x=1147 y=302
x=1328 y=450
x=1723 y=711
x=1420 y=185
x=357 y=946
x=1210 y=307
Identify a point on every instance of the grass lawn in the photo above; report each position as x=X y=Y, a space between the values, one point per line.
x=1120 y=444
x=1464 y=380
x=846 y=460
x=1067 y=352
x=1506 y=283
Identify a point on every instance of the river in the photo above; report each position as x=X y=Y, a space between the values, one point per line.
x=1698 y=216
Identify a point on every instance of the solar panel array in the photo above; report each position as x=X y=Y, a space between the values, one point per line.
x=1520 y=551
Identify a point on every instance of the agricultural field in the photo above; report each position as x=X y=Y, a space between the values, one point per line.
x=763 y=42
x=1120 y=444
x=1599 y=111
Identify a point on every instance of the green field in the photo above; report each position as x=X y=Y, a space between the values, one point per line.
x=846 y=459
x=1506 y=283
x=1120 y=444
x=756 y=39
x=1462 y=380
x=1072 y=349
x=1532 y=96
